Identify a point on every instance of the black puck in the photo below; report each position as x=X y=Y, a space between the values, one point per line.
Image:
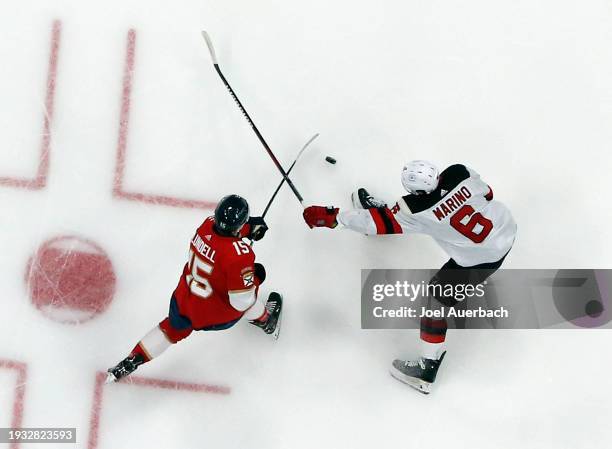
x=330 y=159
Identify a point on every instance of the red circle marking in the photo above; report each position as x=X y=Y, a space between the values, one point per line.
x=70 y=279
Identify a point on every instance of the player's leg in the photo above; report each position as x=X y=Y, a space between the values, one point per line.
x=422 y=372
x=169 y=331
x=433 y=330
x=480 y=273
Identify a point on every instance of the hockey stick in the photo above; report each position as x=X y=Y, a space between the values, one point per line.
x=288 y=172
x=213 y=56
x=271 y=200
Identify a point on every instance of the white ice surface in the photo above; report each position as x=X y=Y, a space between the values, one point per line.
x=519 y=90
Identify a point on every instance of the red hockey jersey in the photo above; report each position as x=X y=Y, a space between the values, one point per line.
x=218 y=283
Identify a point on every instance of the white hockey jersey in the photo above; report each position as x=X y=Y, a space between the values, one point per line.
x=460 y=214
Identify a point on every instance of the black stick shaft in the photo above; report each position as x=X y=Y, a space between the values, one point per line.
x=258 y=134
x=276 y=191
x=288 y=171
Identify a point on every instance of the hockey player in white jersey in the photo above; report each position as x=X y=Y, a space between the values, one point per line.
x=457 y=209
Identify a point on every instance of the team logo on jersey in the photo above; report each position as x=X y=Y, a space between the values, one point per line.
x=248 y=277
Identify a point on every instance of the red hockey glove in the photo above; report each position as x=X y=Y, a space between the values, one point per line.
x=320 y=216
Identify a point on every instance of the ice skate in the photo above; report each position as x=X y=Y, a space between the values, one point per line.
x=272 y=323
x=124 y=368
x=419 y=374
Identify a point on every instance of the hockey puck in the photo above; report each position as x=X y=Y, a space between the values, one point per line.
x=330 y=159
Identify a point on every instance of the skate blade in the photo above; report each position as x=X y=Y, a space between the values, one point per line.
x=417 y=384
x=110 y=378
x=276 y=332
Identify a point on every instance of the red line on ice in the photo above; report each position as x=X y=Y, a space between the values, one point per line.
x=124 y=120
x=40 y=180
x=18 y=398
x=94 y=420
x=175 y=385
x=96 y=409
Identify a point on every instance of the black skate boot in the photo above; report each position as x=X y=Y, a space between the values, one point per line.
x=274 y=306
x=363 y=200
x=124 y=367
x=419 y=374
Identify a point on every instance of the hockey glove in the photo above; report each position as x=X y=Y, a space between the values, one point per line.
x=260 y=273
x=257 y=228
x=320 y=216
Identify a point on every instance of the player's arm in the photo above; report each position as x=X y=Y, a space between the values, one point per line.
x=244 y=279
x=243 y=299
x=257 y=311
x=241 y=280
x=373 y=221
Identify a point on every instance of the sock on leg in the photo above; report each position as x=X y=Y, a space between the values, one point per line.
x=433 y=336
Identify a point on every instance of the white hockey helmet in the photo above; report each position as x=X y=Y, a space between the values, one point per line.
x=420 y=176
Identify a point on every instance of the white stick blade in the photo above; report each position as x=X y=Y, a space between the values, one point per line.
x=306 y=145
x=209 y=44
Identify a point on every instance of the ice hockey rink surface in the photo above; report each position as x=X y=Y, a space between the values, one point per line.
x=117 y=139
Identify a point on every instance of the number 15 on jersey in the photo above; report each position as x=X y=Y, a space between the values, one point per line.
x=197 y=279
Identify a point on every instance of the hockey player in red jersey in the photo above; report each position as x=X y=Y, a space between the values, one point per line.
x=457 y=209
x=219 y=285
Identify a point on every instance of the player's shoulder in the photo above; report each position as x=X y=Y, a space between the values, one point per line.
x=452 y=176
x=207 y=226
x=235 y=251
x=206 y=233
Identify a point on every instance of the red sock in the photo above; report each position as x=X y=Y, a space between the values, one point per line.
x=139 y=350
x=264 y=316
x=433 y=331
